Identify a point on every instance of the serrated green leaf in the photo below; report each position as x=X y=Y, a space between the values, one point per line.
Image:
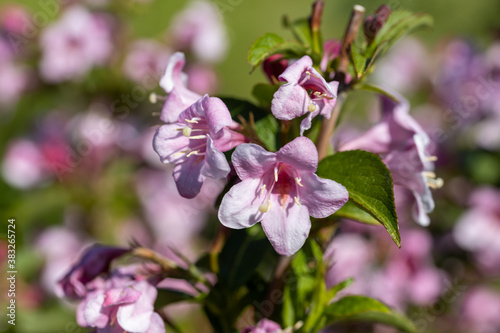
x=270 y=44
x=400 y=23
x=358 y=61
x=369 y=184
x=361 y=308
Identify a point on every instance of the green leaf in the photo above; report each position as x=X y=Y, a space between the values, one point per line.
x=264 y=93
x=351 y=210
x=302 y=32
x=358 y=61
x=361 y=308
x=338 y=287
x=376 y=89
x=369 y=184
x=239 y=258
x=266 y=129
x=239 y=107
x=270 y=44
x=400 y=23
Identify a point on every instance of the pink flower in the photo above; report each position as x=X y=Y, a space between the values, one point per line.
x=174 y=83
x=73 y=45
x=331 y=50
x=199 y=29
x=146 y=60
x=120 y=304
x=95 y=260
x=202 y=79
x=264 y=326
x=281 y=190
x=480 y=309
x=305 y=92
x=195 y=144
x=478 y=229
x=403 y=145
x=24 y=165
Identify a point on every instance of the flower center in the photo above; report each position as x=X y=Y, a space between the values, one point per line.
x=282 y=181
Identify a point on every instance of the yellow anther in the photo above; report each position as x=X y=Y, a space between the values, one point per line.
x=186 y=131
x=194 y=152
x=435 y=183
x=153 y=98
x=263 y=189
x=264 y=208
x=298 y=180
x=429 y=174
x=192 y=121
x=431 y=158
x=311 y=107
x=296 y=201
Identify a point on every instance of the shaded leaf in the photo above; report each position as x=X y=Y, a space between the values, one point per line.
x=369 y=184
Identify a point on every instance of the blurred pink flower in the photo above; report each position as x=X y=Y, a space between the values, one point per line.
x=478 y=229
x=481 y=309
x=75 y=44
x=120 y=304
x=405 y=68
x=202 y=79
x=24 y=165
x=199 y=29
x=404 y=146
x=146 y=60
x=349 y=255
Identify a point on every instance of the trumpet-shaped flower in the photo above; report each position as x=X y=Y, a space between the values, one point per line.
x=282 y=190
x=174 y=82
x=305 y=92
x=195 y=144
x=403 y=145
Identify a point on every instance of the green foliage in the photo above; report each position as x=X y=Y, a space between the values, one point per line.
x=369 y=184
x=361 y=308
x=302 y=32
x=270 y=44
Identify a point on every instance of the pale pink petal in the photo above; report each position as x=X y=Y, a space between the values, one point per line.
x=294 y=72
x=188 y=177
x=136 y=317
x=240 y=206
x=117 y=296
x=252 y=161
x=169 y=143
x=287 y=226
x=216 y=165
x=301 y=154
x=290 y=101
x=217 y=114
x=322 y=197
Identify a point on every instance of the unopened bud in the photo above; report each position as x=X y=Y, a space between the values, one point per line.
x=374 y=23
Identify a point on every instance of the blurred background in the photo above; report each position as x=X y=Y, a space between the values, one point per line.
x=77 y=166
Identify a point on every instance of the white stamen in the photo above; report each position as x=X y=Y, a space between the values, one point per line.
x=429 y=174
x=276 y=174
x=194 y=152
x=193 y=121
x=298 y=180
x=198 y=137
x=431 y=158
x=263 y=189
x=182 y=152
x=296 y=201
x=264 y=208
x=435 y=183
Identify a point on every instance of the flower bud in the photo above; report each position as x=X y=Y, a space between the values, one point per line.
x=274 y=66
x=374 y=23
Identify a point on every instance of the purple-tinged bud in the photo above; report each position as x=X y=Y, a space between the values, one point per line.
x=374 y=23
x=95 y=260
x=274 y=66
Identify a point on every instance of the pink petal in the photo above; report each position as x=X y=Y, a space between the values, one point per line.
x=216 y=165
x=322 y=197
x=227 y=139
x=177 y=101
x=240 y=206
x=116 y=296
x=188 y=177
x=168 y=143
x=301 y=154
x=290 y=101
x=173 y=74
x=157 y=324
x=252 y=161
x=137 y=317
x=286 y=227
x=217 y=114
x=94 y=314
x=294 y=72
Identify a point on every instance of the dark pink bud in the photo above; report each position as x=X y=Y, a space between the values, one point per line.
x=374 y=23
x=274 y=66
x=95 y=260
